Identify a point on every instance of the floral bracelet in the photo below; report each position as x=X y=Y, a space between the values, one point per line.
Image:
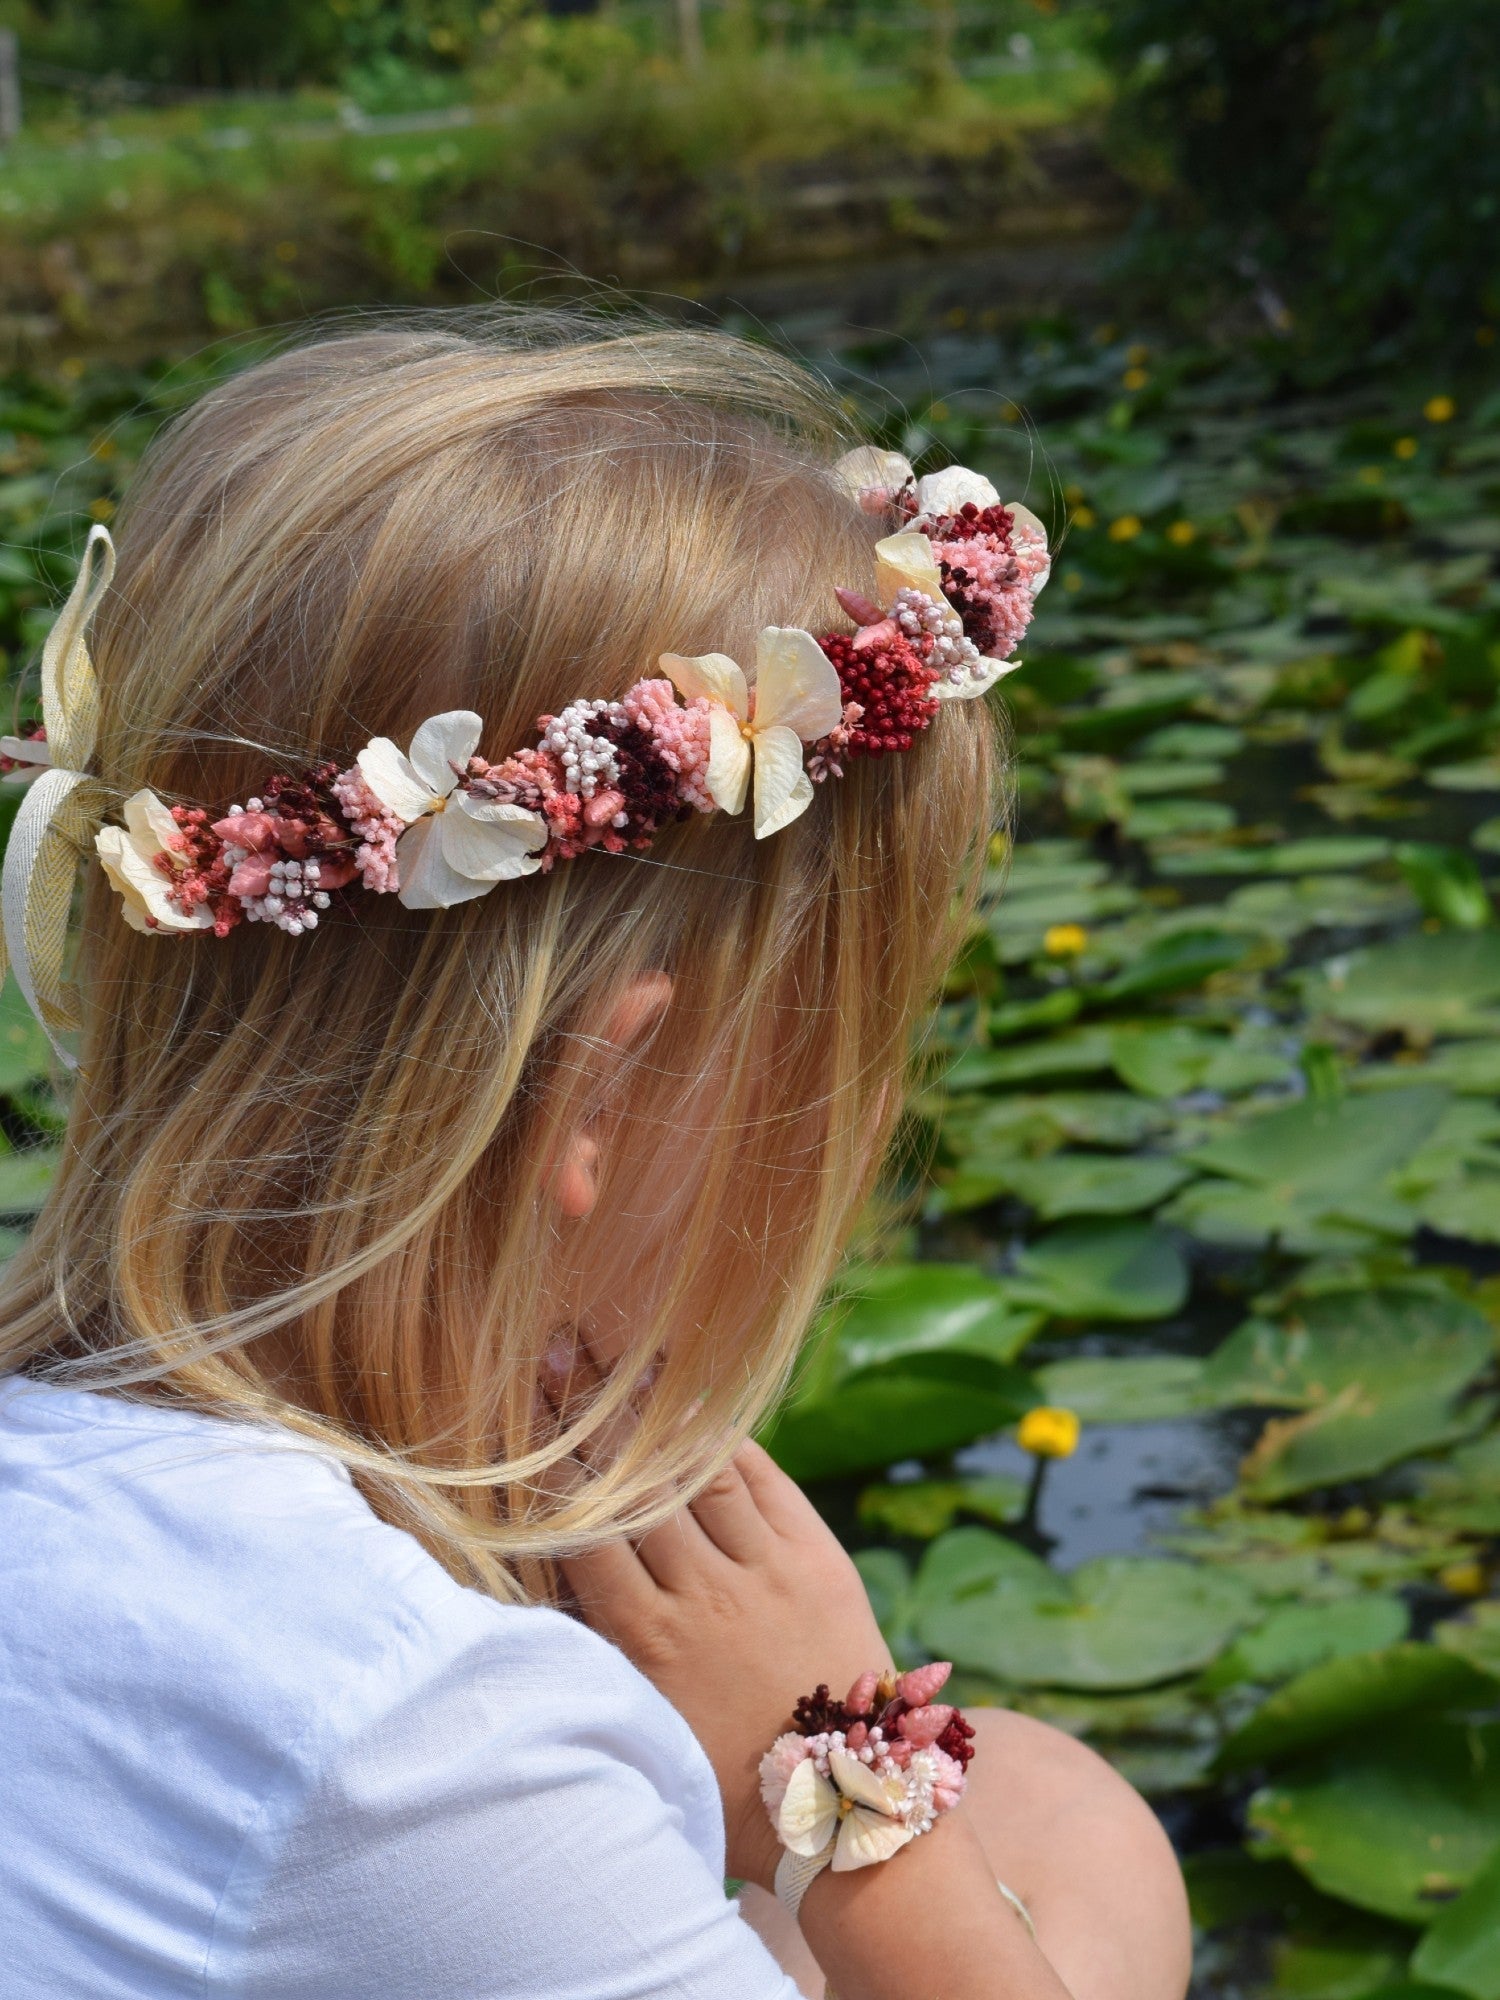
x=853 y=1781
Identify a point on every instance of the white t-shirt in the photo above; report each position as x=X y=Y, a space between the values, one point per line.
x=255 y=1742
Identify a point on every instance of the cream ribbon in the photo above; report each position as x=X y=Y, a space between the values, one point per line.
x=60 y=810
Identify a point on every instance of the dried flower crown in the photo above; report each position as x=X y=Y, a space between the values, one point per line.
x=437 y=824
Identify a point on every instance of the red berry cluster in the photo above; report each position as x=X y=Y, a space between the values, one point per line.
x=892 y=684
x=202 y=875
x=955 y=1739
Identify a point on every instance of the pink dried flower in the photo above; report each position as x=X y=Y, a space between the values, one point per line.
x=679 y=735
x=949 y=1780
x=777 y=1766
x=861 y=1697
x=923 y=1726
x=377 y=826
x=920 y=1684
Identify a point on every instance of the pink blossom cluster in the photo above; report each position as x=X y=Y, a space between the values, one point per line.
x=987 y=575
x=378 y=829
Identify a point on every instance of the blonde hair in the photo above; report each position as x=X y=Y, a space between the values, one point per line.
x=306 y=1180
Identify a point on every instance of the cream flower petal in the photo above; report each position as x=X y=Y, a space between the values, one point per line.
x=809 y=1811
x=796 y=686
x=712 y=674
x=783 y=790
x=869 y=466
x=1028 y=530
x=486 y=841
x=728 y=773
x=441 y=742
x=427 y=882
x=994 y=670
x=946 y=492
x=23 y=751
x=858 y=1782
x=866 y=1837
x=143 y=886
x=148 y=822
x=906 y=562
x=391 y=777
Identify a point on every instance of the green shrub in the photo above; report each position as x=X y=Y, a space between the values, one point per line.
x=1347 y=151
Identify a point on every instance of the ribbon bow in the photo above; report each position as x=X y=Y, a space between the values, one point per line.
x=58 y=814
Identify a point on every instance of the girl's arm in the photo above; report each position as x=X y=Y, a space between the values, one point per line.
x=732 y=1608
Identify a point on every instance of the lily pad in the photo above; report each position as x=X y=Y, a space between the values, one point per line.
x=1168 y=1060
x=26 y=1178
x=1065 y=1184
x=1475 y=1638
x=1378 y=1374
x=1462 y=1950
x=24 y=1051
x=1326 y=1155
x=1397 y=1823
x=1083 y=1052
x=1357 y=1695
x=1295 y=1637
x=900 y=1310
x=1440 y=984
x=924 y=1508
x=1119 y=1622
x=923 y=1406
x=1125 y=1388
x=1101 y=1271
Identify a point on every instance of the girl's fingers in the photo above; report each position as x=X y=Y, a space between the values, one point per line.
x=678 y=1553
x=728 y=1515
x=779 y=1500
x=612 y=1587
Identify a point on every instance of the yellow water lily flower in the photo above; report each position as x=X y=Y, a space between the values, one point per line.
x=758 y=725
x=1049 y=1433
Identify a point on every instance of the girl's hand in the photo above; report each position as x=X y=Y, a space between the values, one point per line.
x=733 y=1608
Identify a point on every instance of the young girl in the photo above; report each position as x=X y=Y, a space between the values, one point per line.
x=470 y=1112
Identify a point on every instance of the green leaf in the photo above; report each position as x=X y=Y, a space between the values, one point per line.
x=924 y=1508
x=922 y=1406
x=1462 y=1950
x=1119 y=1622
x=1066 y=1184
x=1447 y=884
x=1439 y=984
x=1395 y=1823
x=1084 y=1052
x=886 y=1576
x=1295 y=1637
x=1125 y=1389
x=26 y=1179
x=1170 y=1060
x=901 y=1310
x=1102 y=1271
x=1474 y=1638
x=1350 y=1696
x=1323 y=1152
x=24 y=1052
x=1182 y=959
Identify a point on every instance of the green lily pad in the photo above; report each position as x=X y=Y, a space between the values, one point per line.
x=1394 y=1824
x=1148 y=778
x=1467 y=1206
x=1314 y=902
x=24 y=1050
x=925 y=1508
x=900 y=1310
x=1171 y=1059
x=1377 y=1373
x=1083 y=1052
x=1181 y=959
x=1295 y=1637
x=1357 y=1695
x=922 y=1406
x=1236 y=1216
x=1119 y=1622
x=1102 y=1271
x=1169 y=819
x=1325 y=1155
x=1125 y=1388
x=1430 y=985
x=1462 y=1492
x=1065 y=1184
x=1462 y=1950
x=1475 y=1638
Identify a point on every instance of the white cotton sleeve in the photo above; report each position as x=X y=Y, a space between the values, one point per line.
x=526 y=1818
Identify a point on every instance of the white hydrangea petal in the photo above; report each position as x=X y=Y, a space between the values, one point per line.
x=858 y=1782
x=148 y=821
x=486 y=841
x=441 y=742
x=796 y=686
x=869 y=466
x=728 y=775
x=945 y=492
x=24 y=751
x=809 y=1811
x=906 y=562
x=1027 y=530
x=994 y=670
x=144 y=888
x=391 y=777
x=783 y=790
x=712 y=674
x=866 y=1837
x=427 y=882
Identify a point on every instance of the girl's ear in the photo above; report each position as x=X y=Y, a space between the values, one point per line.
x=574 y=1180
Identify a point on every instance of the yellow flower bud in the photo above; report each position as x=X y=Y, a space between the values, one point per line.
x=1048 y=1433
x=1065 y=940
x=1135 y=378
x=1439 y=409
x=1181 y=533
x=1405 y=447
x=1464 y=1579
x=1125 y=529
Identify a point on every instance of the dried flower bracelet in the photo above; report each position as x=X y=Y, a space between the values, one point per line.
x=853 y=1781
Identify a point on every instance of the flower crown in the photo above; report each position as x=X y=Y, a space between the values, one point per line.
x=438 y=825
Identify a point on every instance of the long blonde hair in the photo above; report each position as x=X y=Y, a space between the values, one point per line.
x=306 y=1179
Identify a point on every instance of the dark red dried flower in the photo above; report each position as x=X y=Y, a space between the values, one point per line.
x=819 y=1711
x=891 y=682
x=956 y=1739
